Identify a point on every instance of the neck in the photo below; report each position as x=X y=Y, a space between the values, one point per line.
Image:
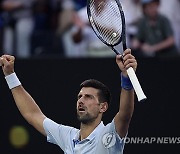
x=87 y=129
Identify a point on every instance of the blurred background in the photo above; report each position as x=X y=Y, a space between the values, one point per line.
x=56 y=50
x=50 y=28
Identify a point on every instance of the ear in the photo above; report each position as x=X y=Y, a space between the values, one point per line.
x=103 y=107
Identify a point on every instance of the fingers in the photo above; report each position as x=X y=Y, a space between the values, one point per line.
x=6 y=60
x=119 y=57
x=130 y=63
x=1 y=61
x=119 y=61
x=129 y=60
x=126 y=61
x=127 y=51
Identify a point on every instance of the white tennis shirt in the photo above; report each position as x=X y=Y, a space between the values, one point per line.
x=103 y=140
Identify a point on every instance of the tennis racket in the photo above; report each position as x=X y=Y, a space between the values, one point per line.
x=107 y=19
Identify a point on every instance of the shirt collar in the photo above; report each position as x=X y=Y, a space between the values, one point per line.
x=92 y=135
x=95 y=131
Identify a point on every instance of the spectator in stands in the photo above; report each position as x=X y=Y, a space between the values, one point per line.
x=84 y=41
x=155 y=35
x=45 y=40
x=66 y=16
x=79 y=4
x=171 y=9
x=18 y=27
x=65 y=23
x=133 y=12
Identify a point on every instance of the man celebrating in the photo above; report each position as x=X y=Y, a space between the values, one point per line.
x=92 y=101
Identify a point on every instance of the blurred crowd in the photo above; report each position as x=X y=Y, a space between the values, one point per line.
x=31 y=28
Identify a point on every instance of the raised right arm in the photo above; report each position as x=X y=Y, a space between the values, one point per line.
x=24 y=102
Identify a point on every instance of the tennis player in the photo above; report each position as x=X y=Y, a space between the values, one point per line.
x=92 y=101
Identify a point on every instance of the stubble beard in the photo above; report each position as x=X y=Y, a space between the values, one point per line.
x=85 y=119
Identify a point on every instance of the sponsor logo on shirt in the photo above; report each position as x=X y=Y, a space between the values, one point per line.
x=108 y=140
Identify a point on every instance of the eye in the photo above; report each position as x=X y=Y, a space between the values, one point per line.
x=89 y=96
x=79 y=96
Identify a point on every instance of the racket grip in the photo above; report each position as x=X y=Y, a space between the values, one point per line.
x=136 y=85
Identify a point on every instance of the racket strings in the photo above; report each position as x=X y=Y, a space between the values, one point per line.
x=106 y=20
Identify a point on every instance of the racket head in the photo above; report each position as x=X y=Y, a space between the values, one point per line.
x=107 y=20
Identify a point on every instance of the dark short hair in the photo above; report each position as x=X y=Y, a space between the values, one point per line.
x=104 y=92
x=145 y=2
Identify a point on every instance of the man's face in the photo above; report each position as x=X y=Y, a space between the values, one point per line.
x=88 y=105
x=151 y=9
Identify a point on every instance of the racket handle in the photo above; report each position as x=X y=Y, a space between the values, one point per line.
x=136 y=85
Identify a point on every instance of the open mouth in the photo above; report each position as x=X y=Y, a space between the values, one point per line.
x=81 y=109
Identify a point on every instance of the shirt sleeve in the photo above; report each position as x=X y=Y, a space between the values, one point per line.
x=166 y=27
x=58 y=134
x=141 y=28
x=113 y=128
x=116 y=143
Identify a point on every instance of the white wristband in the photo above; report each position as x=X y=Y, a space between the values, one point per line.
x=12 y=81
